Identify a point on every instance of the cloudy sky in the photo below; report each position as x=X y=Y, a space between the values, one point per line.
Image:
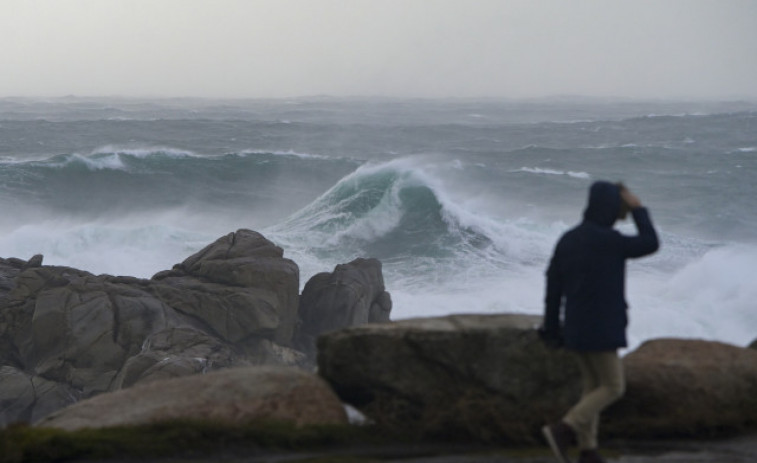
x=407 y=48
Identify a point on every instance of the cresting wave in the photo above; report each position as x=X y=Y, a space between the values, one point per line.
x=387 y=210
x=402 y=214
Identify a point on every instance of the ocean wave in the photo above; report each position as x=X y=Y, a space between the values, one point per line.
x=404 y=214
x=92 y=163
x=691 y=114
x=542 y=171
x=107 y=157
x=143 y=151
x=288 y=153
x=388 y=209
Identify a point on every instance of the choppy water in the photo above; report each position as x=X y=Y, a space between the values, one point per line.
x=462 y=200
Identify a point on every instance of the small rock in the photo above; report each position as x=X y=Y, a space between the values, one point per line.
x=35 y=261
x=353 y=294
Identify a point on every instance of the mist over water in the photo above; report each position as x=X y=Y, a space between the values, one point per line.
x=462 y=201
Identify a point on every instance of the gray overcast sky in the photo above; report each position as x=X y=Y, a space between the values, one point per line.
x=416 y=48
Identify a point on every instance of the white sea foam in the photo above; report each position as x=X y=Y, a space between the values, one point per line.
x=109 y=162
x=711 y=297
x=143 y=151
x=283 y=153
x=136 y=246
x=542 y=171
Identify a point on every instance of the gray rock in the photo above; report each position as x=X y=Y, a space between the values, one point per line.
x=233 y=396
x=87 y=334
x=176 y=351
x=9 y=271
x=483 y=376
x=72 y=327
x=686 y=388
x=35 y=261
x=27 y=398
x=242 y=260
x=353 y=294
x=72 y=335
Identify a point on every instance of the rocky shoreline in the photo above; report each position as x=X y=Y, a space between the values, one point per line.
x=67 y=335
x=225 y=337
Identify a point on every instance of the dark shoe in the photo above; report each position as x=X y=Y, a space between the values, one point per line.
x=590 y=456
x=560 y=437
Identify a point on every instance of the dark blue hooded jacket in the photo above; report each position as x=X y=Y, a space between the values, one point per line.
x=587 y=273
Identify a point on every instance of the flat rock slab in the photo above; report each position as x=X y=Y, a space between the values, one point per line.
x=233 y=396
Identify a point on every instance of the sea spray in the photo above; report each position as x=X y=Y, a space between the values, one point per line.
x=462 y=201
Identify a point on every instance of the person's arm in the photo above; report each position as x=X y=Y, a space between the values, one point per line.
x=551 y=331
x=646 y=242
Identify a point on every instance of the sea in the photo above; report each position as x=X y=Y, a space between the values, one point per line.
x=462 y=200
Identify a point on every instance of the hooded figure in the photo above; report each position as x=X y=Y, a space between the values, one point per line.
x=587 y=273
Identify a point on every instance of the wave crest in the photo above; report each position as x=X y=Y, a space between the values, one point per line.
x=385 y=210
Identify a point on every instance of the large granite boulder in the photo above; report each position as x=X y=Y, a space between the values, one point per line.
x=244 y=270
x=353 y=294
x=686 y=388
x=82 y=334
x=231 y=396
x=487 y=377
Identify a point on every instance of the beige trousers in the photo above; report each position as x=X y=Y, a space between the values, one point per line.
x=603 y=383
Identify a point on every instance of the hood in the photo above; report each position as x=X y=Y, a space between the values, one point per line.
x=604 y=203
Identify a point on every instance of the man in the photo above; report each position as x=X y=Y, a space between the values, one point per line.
x=587 y=273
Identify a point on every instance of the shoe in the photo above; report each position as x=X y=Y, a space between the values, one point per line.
x=590 y=456
x=560 y=437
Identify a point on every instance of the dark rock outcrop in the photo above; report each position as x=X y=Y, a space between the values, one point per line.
x=231 y=396
x=489 y=378
x=483 y=376
x=67 y=335
x=753 y=345
x=353 y=294
x=686 y=388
